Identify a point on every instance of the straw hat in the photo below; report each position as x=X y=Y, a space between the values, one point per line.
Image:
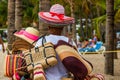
x=56 y=16
x=30 y=34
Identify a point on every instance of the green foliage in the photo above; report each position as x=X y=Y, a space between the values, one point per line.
x=31 y=9
x=117 y=16
x=101 y=3
x=96 y=22
x=3 y=12
x=116 y=4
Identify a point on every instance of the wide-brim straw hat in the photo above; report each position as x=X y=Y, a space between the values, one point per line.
x=56 y=16
x=30 y=34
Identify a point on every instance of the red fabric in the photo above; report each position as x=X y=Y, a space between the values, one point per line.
x=60 y=16
x=76 y=67
x=14 y=62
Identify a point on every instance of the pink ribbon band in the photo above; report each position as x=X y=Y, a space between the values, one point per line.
x=28 y=35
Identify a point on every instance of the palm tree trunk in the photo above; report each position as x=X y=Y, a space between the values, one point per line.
x=73 y=25
x=44 y=5
x=18 y=14
x=11 y=23
x=109 y=62
x=86 y=27
x=82 y=29
x=71 y=2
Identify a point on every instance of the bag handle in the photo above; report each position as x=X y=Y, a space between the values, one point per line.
x=45 y=54
x=43 y=41
x=39 y=38
x=25 y=66
x=72 y=44
x=18 y=56
x=37 y=49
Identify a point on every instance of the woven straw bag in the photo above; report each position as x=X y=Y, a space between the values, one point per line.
x=46 y=54
x=38 y=72
x=71 y=58
x=20 y=45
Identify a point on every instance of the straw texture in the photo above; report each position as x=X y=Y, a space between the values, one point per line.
x=66 y=51
x=20 y=45
x=45 y=54
x=56 y=16
x=39 y=72
x=30 y=34
x=73 y=62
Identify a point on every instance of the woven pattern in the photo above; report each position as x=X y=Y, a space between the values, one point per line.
x=12 y=63
x=45 y=54
x=20 y=44
x=57 y=23
x=73 y=62
x=67 y=79
x=39 y=72
x=61 y=50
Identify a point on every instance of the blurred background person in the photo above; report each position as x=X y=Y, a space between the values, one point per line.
x=2 y=47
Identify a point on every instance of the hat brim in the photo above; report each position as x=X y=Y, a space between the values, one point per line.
x=24 y=38
x=56 y=23
x=48 y=18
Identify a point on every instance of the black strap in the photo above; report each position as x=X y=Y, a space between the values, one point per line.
x=31 y=64
x=30 y=56
x=43 y=36
x=45 y=48
x=39 y=38
x=45 y=54
x=37 y=63
x=43 y=40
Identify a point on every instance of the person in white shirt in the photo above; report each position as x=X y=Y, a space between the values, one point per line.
x=56 y=20
x=72 y=61
x=58 y=71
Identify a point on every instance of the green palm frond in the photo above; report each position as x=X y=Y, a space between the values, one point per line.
x=97 y=22
x=117 y=16
x=3 y=12
x=102 y=4
x=35 y=12
x=116 y=4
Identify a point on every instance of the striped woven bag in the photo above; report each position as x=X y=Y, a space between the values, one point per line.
x=12 y=63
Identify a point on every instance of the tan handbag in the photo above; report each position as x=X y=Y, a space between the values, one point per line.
x=44 y=54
